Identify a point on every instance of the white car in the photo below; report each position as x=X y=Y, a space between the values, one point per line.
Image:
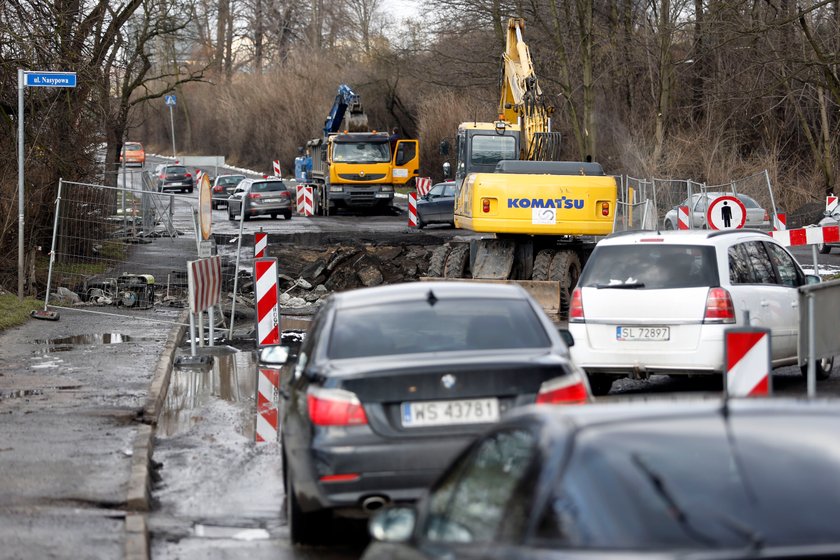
x=659 y=302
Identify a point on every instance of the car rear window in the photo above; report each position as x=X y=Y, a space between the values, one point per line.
x=133 y=147
x=448 y=325
x=233 y=180
x=651 y=266
x=179 y=169
x=268 y=186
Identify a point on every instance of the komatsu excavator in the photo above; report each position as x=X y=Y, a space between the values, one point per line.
x=541 y=216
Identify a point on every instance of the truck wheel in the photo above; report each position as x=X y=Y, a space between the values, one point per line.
x=437 y=261
x=542 y=264
x=565 y=268
x=456 y=261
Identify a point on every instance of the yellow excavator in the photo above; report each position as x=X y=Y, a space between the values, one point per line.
x=542 y=216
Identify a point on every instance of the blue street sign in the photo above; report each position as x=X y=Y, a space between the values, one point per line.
x=50 y=79
x=170 y=100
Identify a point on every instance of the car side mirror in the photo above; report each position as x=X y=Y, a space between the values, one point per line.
x=447 y=168
x=566 y=336
x=274 y=355
x=393 y=524
x=812 y=279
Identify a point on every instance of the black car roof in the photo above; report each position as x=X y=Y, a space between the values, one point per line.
x=420 y=290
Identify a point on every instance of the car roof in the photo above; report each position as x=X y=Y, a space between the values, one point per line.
x=682 y=237
x=628 y=412
x=420 y=290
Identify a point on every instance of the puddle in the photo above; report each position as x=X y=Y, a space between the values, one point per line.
x=232 y=378
x=236 y=533
x=70 y=342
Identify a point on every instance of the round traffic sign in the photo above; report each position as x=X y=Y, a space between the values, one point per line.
x=726 y=212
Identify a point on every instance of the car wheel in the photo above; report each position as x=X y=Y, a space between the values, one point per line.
x=245 y=216
x=230 y=214
x=600 y=384
x=287 y=214
x=420 y=223
x=823 y=248
x=824 y=368
x=190 y=190
x=304 y=528
x=274 y=215
x=213 y=205
x=669 y=224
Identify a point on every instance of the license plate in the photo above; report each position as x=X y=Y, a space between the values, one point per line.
x=443 y=413
x=382 y=195
x=642 y=333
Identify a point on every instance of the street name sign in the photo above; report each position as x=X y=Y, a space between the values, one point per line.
x=50 y=79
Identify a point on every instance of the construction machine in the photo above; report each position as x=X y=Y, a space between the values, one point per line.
x=355 y=167
x=541 y=216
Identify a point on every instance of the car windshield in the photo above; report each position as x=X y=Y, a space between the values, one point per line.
x=362 y=152
x=490 y=150
x=232 y=180
x=699 y=483
x=651 y=266
x=448 y=325
x=268 y=186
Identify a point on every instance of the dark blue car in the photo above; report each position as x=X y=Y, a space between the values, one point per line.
x=438 y=205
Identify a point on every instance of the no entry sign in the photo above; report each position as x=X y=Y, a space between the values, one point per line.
x=726 y=212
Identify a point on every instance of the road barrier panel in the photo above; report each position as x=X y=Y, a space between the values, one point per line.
x=682 y=218
x=807 y=236
x=747 y=362
x=267 y=302
x=780 y=222
x=831 y=203
x=424 y=185
x=276 y=166
x=412 y=209
x=819 y=307
x=268 y=392
x=260 y=244
x=204 y=278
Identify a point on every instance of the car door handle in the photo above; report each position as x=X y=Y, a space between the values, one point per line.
x=765 y=303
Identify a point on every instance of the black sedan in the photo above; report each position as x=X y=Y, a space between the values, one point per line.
x=751 y=479
x=393 y=381
x=223 y=187
x=438 y=205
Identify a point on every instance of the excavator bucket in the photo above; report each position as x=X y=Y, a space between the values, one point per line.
x=494 y=259
x=357 y=120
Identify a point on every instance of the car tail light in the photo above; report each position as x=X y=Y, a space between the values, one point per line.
x=766 y=216
x=719 y=307
x=605 y=208
x=217 y=188
x=162 y=176
x=347 y=477
x=576 y=307
x=335 y=407
x=285 y=194
x=254 y=195
x=188 y=175
x=570 y=389
x=485 y=205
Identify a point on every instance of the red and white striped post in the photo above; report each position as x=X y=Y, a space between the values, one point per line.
x=204 y=280
x=423 y=184
x=276 y=166
x=831 y=203
x=747 y=359
x=412 y=209
x=306 y=198
x=268 y=304
x=260 y=244
x=780 y=221
x=682 y=218
x=268 y=389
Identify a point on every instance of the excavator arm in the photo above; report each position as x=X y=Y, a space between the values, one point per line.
x=345 y=99
x=522 y=99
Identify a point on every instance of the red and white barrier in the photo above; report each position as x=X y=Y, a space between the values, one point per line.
x=268 y=389
x=780 y=222
x=268 y=305
x=831 y=203
x=807 y=236
x=747 y=356
x=260 y=243
x=276 y=166
x=412 y=209
x=204 y=279
x=305 y=200
x=682 y=218
x=424 y=184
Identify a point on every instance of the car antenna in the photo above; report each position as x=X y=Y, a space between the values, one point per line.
x=430 y=297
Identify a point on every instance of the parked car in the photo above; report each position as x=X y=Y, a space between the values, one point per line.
x=438 y=205
x=133 y=154
x=174 y=177
x=830 y=219
x=668 y=480
x=260 y=197
x=757 y=217
x=650 y=302
x=393 y=381
x=223 y=186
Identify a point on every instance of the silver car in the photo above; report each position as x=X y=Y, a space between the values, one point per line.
x=260 y=197
x=757 y=217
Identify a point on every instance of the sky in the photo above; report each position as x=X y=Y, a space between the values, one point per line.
x=400 y=8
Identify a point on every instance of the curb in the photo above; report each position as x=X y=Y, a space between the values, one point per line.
x=138 y=497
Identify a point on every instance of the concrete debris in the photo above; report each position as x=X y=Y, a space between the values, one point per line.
x=370 y=276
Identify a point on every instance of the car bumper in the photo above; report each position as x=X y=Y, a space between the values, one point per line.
x=705 y=357
x=362 y=197
x=263 y=209
x=396 y=470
